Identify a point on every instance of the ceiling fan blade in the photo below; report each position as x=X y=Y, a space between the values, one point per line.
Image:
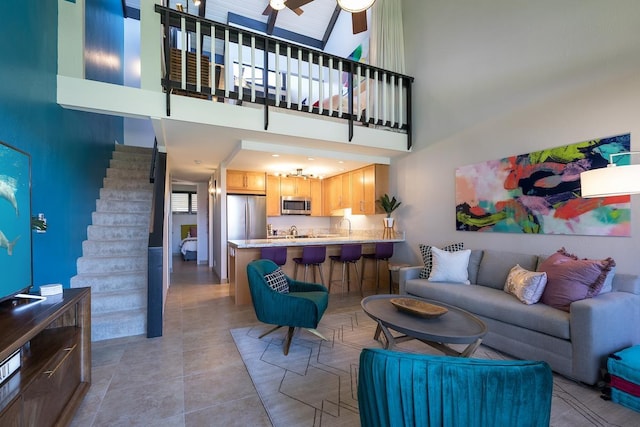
x=294 y=4
x=298 y=11
x=359 y=22
x=267 y=10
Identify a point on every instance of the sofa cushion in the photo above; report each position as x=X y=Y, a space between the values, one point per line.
x=474 y=264
x=572 y=279
x=450 y=266
x=425 y=251
x=494 y=304
x=495 y=266
x=525 y=285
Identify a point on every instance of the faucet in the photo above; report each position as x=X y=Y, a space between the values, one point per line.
x=348 y=221
x=293 y=230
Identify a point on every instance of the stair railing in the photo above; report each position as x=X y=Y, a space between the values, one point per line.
x=259 y=69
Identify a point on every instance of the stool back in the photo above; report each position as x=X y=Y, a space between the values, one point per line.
x=314 y=254
x=350 y=253
x=277 y=254
x=384 y=250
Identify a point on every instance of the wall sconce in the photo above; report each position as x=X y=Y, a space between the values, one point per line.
x=39 y=223
x=613 y=180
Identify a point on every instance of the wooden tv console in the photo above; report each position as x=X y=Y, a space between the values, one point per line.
x=54 y=338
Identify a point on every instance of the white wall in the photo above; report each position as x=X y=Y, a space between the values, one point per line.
x=203 y=222
x=502 y=77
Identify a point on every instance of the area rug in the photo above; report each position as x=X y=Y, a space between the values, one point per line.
x=316 y=384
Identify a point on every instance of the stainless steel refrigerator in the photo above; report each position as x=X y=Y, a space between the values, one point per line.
x=246 y=217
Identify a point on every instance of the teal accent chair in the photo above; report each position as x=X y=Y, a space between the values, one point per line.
x=302 y=307
x=402 y=389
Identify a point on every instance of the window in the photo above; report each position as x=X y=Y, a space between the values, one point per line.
x=184 y=202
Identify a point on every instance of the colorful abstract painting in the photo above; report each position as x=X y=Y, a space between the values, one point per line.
x=539 y=193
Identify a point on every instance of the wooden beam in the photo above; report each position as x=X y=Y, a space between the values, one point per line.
x=330 y=26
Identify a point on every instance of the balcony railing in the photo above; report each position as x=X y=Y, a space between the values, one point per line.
x=214 y=61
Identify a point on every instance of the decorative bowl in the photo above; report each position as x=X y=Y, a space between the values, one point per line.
x=418 y=308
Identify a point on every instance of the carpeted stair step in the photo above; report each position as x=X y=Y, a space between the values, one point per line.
x=108 y=194
x=113 y=205
x=138 y=164
x=118 y=281
x=118 y=324
x=121 y=148
x=107 y=232
x=111 y=264
x=116 y=301
x=115 y=218
x=128 y=173
x=136 y=184
x=114 y=247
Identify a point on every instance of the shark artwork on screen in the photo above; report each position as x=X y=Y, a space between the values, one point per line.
x=539 y=192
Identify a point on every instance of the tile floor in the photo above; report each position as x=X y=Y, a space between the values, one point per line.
x=191 y=376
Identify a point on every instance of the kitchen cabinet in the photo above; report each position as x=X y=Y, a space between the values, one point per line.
x=337 y=194
x=273 y=195
x=295 y=186
x=316 y=197
x=246 y=182
x=368 y=184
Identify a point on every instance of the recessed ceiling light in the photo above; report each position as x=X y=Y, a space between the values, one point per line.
x=310 y=158
x=340 y=161
x=275 y=155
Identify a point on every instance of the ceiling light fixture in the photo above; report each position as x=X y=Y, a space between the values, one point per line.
x=612 y=180
x=196 y=2
x=278 y=4
x=299 y=174
x=355 y=6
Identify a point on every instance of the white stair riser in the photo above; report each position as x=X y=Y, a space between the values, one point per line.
x=105 y=232
x=108 y=194
x=112 y=218
x=114 y=247
x=111 y=264
x=111 y=282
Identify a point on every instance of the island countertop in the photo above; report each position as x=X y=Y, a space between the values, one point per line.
x=241 y=252
x=320 y=240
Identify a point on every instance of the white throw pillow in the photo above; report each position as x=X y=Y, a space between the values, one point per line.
x=526 y=285
x=449 y=266
x=277 y=281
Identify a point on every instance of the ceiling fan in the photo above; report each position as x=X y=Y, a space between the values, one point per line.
x=358 y=10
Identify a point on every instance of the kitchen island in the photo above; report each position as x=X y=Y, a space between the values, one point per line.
x=242 y=252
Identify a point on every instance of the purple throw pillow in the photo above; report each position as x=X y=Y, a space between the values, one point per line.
x=572 y=279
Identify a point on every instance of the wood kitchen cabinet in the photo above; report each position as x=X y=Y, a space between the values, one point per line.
x=246 y=182
x=368 y=184
x=337 y=194
x=316 y=197
x=273 y=195
x=295 y=186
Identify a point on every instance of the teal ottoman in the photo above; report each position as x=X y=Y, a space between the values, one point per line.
x=624 y=377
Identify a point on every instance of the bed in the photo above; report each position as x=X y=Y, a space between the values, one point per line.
x=189 y=242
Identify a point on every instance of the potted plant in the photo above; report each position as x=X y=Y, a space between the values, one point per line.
x=389 y=204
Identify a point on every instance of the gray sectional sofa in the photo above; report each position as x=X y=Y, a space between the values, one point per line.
x=574 y=343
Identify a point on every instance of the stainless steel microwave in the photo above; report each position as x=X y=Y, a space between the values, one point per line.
x=291 y=205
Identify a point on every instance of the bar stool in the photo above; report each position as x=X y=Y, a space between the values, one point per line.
x=277 y=254
x=383 y=251
x=349 y=254
x=312 y=256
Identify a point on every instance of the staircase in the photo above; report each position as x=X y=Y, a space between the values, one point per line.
x=114 y=256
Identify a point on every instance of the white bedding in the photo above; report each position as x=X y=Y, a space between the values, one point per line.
x=189 y=245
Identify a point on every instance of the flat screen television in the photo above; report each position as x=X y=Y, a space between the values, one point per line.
x=16 y=273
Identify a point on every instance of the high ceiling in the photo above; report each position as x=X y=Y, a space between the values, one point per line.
x=192 y=156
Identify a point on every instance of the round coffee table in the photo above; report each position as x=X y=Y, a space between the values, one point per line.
x=457 y=326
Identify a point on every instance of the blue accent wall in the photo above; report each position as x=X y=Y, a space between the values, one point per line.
x=70 y=150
